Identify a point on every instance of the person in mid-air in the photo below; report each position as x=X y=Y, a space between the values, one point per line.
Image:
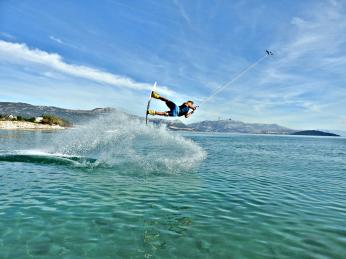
x=174 y=110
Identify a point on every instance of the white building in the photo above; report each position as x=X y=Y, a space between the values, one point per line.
x=38 y=119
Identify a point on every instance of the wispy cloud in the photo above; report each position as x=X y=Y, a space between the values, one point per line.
x=194 y=47
x=319 y=34
x=62 y=42
x=57 y=40
x=20 y=53
x=182 y=12
x=7 y=35
x=305 y=78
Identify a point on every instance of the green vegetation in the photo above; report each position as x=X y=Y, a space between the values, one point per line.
x=21 y=118
x=45 y=119
x=54 y=120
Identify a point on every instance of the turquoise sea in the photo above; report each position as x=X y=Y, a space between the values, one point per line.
x=117 y=189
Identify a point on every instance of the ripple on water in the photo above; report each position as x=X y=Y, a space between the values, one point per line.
x=250 y=198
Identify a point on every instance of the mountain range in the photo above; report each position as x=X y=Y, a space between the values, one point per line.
x=80 y=116
x=28 y=111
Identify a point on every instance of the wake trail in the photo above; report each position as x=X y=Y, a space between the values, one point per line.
x=118 y=139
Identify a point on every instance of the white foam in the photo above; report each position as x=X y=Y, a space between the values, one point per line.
x=37 y=152
x=117 y=138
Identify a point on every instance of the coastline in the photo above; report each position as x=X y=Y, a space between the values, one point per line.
x=24 y=125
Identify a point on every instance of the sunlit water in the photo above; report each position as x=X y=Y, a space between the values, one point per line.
x=161 y=195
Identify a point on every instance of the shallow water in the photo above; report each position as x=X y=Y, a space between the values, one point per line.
x=240 y=196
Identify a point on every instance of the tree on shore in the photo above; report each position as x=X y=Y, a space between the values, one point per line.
x=46 y=119
x=54 y=120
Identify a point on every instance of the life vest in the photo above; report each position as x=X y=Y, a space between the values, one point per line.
x=183 y=110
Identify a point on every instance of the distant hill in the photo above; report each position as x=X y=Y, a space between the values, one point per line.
x=28 y=110
x=239 y=127
x=338 y=132
x=80 y=116
x=315 y=133
x=172 y=125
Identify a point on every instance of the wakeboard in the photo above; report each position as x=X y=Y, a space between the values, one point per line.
x=148 y=105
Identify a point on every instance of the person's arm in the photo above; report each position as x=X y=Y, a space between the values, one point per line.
x=188 y=114
x=193 y=108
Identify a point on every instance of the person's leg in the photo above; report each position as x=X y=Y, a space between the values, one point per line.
x=152 y=112
x=159 y=97
x=171 y=105
x=161 y=113
x=163 y=99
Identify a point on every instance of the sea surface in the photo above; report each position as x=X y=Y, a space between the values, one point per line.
x=123 y=190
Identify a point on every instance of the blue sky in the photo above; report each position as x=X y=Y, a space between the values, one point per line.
x=84 y=54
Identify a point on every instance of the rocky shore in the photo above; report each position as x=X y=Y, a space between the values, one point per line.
x=24 y=125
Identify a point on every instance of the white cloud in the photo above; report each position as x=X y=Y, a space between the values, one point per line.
x=21 y=54
x=322 y=34
x=310 y=56
x=302 y=86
